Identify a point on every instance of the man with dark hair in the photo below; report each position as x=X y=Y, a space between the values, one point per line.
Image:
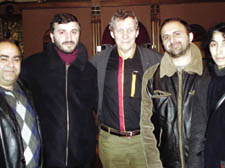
x=174 y=92
x=20 y=138
x=120 y=69
x=64 y=85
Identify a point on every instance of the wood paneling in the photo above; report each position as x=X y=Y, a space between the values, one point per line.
x=36 y=17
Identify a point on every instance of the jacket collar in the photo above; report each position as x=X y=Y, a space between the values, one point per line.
x=167 y=68
x=54 y=59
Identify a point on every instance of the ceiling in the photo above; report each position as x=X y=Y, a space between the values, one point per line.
x=149 y=1
x=32 y=4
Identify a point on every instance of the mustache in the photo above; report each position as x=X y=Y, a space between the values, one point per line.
x=173 y=44
x=68 y=42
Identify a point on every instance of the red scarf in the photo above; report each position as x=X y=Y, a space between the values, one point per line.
x=67 y=58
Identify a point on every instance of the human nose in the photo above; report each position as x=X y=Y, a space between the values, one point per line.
x=220 y=50
x=125 y=34
x=69 y=37
x=10 y=62
x=172 y=39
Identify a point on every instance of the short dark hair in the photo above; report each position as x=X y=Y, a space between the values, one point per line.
x=122 y=14
x=220 y=27
x=62 y=18
x=183 y=22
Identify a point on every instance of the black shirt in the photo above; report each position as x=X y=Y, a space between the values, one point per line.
x=122 y=92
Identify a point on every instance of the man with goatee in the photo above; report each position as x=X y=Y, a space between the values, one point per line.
x=173 y=116
x=64 y=86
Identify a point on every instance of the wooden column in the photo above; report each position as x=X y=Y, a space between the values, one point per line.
x=96 y=28
x=155 y=25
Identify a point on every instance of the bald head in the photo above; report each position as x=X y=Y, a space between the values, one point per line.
x=9 y=43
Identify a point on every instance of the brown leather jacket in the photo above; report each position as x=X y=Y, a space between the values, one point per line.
x=174 y=108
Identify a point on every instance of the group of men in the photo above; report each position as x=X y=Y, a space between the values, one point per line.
x=151 y=109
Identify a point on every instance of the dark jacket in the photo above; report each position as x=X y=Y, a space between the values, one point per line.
x=175 y=102
x=11 y=143
x=215 y=134
x=148 y=58
x=64 y=97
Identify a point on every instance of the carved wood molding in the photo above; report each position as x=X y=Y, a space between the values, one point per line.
x=155 y=25
x=96 y=28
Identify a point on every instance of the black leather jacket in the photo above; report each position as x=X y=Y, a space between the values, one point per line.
x=173 y=114
x=11 y=144
x=173 y=126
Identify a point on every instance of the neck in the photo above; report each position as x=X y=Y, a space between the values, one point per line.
x=127 y=54
x=182 y=61
x=67 y=58
x=8 y=87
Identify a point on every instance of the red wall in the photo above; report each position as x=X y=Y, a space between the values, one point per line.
x=205 y=14
x=36 y=21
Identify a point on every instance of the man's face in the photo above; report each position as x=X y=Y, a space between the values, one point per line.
x=217 y=49
x=176 y=40
x=66 y=36
x=125 y=33
x=10 y=61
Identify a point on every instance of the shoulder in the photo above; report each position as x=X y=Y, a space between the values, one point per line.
x=148 y=57
x=31 y=66
x=33 y=59
x=149 y=73
x=90 y=68
x=24 y=88
x=206 y=75
x=102 y=55
x=149 y=51
x=81 y=48
x=105 y=49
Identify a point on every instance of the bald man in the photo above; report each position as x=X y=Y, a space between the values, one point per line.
x=20 y=141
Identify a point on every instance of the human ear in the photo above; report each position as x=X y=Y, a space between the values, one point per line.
x=191 y=37
x=52 y=37
x=112 y=34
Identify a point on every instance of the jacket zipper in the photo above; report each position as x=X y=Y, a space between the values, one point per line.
x=160 y=137
x=180 y=125
x=67 y=116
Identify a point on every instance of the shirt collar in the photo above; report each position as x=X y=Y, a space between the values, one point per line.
x=167 y=68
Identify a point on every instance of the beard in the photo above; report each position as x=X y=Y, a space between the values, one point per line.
x=62 y=46
x=178 y=51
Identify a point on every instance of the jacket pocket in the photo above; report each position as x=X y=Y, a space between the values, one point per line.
x=160 y=94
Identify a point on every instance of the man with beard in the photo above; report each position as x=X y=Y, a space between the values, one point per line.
x=64 y=86
x=173 y=115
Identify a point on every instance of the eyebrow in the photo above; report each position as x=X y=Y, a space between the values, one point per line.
x=13 y=56
x=165 y=35
x=60 y=29
x=63 y=29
